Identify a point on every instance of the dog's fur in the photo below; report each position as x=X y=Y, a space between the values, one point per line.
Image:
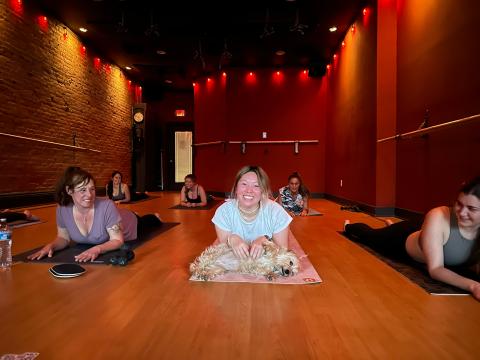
x=220 y=259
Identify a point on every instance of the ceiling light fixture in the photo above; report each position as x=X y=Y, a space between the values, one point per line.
x=168 y=81
x=82 y=29
x=161 y=52
x=128 y=68
x=332 y=29
x=280 y=52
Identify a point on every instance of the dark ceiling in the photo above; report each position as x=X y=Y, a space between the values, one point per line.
x=204 y=37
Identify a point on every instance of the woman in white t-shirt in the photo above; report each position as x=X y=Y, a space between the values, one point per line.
x=250 y=218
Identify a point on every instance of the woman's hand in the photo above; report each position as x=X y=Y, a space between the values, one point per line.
x=239 y=247
x=256 y=248
x=475 y=290
x=89 y=255
x=46 y=250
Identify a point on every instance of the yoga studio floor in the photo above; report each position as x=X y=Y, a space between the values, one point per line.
x=149 y=309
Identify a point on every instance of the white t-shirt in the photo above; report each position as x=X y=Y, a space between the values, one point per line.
x=271 y=219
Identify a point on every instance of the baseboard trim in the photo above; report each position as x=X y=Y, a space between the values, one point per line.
x=377 y=211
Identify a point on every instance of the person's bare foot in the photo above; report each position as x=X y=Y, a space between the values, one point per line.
x=158 y=217
x=388 y=222
x=346 y=222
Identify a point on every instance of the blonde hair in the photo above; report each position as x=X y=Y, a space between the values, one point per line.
x=262 y=177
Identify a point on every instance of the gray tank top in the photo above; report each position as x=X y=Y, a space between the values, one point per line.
x=457 y=250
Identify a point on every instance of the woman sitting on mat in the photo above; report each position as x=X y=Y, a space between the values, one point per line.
x=116 y=190
x=84 y=219
x=192 y=194
x=449 y=236
x=250 y=218
x=294 y=196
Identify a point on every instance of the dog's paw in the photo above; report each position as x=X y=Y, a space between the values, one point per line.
x=271 y=276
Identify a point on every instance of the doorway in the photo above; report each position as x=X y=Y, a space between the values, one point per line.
x=179 y=154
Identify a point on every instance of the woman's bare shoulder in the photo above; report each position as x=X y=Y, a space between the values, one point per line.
x=439 y=216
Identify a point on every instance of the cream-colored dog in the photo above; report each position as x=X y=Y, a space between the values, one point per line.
x=220 y=259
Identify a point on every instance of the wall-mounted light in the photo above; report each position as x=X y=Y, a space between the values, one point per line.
x=180 y=113
x=332 y=29
x=128 y=68
x=82 y=29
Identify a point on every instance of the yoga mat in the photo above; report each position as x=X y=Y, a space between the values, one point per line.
x=418 y=273
x=209 y=205
x=21 y=223
x=306 y=275
x=313 y=212
x=67 y=255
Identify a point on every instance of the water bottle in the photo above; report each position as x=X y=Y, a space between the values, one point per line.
x=5 y=245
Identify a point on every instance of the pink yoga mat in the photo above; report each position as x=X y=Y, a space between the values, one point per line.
x=306 y=275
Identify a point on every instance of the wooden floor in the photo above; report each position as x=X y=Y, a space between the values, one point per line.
x=149 y=309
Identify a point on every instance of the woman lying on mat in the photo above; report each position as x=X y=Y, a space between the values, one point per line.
x=246 y=222
x=116 y=190
x=15 y=216
x=84 y=219
x=294 y=196
x=192 y=194
x=449 y=236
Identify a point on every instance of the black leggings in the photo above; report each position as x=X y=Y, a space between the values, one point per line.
x=146 y=224
x=389 y=240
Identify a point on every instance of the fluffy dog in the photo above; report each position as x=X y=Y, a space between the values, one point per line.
x=220 y=259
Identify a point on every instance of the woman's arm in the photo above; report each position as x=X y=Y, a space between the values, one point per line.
x=239 y=247
x=61 y=241
x=114 y=242
x=203 y=196
x=435 y=231
x=305 y=206
x=280 y=238
x=183 y=199
x=126 y=191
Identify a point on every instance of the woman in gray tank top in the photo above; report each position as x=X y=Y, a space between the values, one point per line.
x=448 y=236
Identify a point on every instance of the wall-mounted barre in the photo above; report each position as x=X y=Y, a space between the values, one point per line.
x=243 y=144
x=72 y=147
x=427 y=130
x=209 y=143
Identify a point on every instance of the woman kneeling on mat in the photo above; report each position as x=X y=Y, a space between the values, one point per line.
x=449 y=236
x=192 y=194
x=84 y=219
x=250 y=219
x=294 y=196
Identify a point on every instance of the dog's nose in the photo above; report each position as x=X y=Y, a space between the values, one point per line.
x=285 y=272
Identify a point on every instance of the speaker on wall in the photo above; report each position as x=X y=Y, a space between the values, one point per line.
x=317 y=69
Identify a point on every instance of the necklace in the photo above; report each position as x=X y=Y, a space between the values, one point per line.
x=249 y=215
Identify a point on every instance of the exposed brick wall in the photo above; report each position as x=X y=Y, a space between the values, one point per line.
x=51 y=90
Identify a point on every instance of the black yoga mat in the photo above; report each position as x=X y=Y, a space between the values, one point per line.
x=68 y=255
x=209 y=205
x=21 y=223
x=418 y=274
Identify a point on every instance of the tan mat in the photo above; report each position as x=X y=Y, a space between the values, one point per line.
x=307 y=274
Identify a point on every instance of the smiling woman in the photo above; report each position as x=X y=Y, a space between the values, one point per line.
x=250 y=219
x=449 y=236
x=82 y=218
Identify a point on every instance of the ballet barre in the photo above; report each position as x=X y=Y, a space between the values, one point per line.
x=243 y=144
x=72 y=147
x=430 y=129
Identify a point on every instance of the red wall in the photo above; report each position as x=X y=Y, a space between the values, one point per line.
x=351 y=116
x=438 y=52
x=240 y=107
